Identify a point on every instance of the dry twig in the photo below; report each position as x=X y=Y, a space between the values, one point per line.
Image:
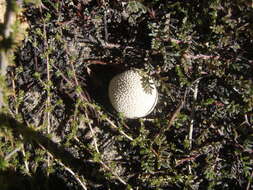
x=8 y=156
x=192 y=119
x=66 y=168
x=193 y=113
x=74 y=175
x=249 y=182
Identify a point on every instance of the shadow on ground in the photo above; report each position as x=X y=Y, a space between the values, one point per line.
x=89 y=170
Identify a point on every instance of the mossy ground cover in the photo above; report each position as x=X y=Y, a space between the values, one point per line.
x=61 y=132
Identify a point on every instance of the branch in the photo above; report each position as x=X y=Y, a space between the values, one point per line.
x=9 y=19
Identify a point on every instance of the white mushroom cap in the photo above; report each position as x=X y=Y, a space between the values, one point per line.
x=128 y=96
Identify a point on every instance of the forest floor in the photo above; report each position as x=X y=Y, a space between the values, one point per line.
x=61 y=132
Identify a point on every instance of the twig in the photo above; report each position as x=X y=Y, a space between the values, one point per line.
x=249 y=182
x=66 y=168
x=93 y=135
x=101 y=162
x=8 y=156
x=9 y=19
x=191 y=158
x=121 y=132
x=192 y=120
x=63 y=76
x=177 y=111
x=179 y=107
x=48 y=88
x=105 y=19
x=174 y=115
x=246 y=121
x=193 y=113
x=115 y=174
x=25 y=161
x=16 y=113
x=107 y=167
x=105 y=24
x=14 y=91
x=201 y=56
x=73 y=174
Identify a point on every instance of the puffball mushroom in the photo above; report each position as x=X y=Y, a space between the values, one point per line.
x=128 y=95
